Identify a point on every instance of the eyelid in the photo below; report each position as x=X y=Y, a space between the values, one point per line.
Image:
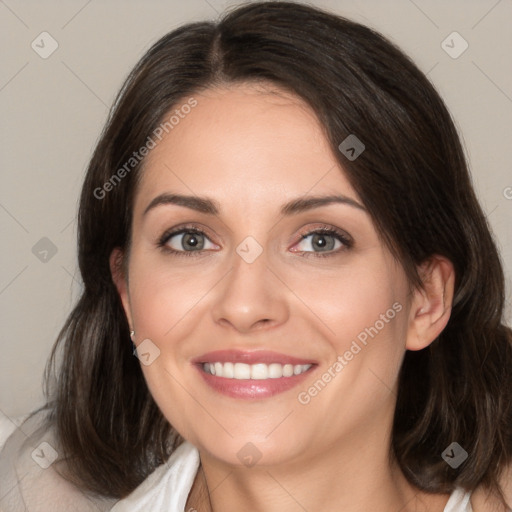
x=176 y=230
x=325 y=228
x=342 y=236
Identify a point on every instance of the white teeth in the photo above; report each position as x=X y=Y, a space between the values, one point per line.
x=287 y=370
x=275 y=370
x=259 y=371
x=228 y=370
x=242 y=371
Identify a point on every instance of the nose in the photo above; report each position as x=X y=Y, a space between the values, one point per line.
x=251 y=297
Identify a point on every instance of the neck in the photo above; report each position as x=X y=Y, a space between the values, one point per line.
x=356 y=474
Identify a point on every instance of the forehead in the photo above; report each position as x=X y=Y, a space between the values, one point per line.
x=246 y=141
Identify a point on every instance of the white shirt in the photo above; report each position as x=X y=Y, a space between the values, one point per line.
x=24 y=486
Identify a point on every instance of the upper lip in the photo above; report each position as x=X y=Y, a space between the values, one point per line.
x=249 y=357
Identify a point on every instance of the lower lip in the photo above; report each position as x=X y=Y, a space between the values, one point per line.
x=251 y=389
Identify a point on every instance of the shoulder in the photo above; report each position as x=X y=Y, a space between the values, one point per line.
x=28 y=476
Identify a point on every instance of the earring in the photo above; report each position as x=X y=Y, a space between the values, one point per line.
x=134 y=348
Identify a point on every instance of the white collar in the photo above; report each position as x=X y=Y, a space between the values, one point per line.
x=168 y=487
x=459 y=501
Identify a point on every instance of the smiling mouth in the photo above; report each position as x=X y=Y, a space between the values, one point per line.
x=258 y=371
x=252 y=375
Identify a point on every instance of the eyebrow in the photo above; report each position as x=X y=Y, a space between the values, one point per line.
x=211 y=207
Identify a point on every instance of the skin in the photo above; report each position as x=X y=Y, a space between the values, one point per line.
x=251 y=149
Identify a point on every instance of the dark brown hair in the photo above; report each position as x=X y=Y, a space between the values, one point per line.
x=412 y=178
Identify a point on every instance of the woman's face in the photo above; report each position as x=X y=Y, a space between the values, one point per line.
x=240 y=274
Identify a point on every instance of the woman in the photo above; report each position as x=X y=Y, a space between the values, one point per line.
x=280 y=217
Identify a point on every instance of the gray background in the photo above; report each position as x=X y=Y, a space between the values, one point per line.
x=53 y=109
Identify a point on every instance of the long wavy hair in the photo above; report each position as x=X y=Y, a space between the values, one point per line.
x=412 y=178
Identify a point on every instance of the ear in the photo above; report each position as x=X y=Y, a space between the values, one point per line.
x=121 y=281
x=431 y=307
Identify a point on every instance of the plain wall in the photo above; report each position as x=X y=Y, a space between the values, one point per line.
x=52 y=111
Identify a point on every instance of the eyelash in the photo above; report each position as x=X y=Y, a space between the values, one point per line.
x=329 y=231
x=322 y=230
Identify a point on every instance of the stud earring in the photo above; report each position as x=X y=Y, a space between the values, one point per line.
x=134 y=348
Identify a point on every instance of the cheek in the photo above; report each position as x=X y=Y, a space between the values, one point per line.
x=162 y=298
x=163 y=304
x=363 y=315
x=359 y=300
x=367 y=318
